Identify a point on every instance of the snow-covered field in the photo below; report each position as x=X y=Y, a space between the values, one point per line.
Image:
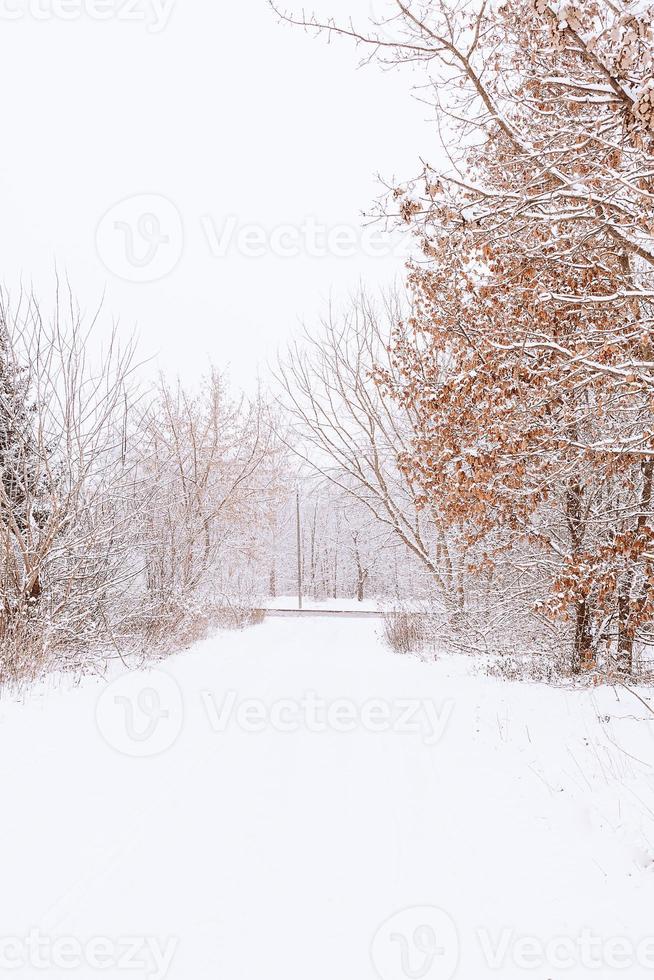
x=295 y=802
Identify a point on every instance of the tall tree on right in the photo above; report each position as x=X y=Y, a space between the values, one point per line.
x=517 y=446
x=531 y=348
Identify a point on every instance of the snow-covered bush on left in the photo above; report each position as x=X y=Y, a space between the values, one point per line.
x=128 y=516
x=65 y=530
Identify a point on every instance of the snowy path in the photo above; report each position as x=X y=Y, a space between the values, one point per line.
x=312 y=613
x=276 y=831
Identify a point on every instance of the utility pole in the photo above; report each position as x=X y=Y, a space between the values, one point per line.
x=299 y=550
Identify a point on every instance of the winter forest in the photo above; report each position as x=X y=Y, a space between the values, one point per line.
x=435 y=494
x=474 y=447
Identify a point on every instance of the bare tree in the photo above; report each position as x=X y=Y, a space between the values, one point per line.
x=353 y=436
x=203 y=459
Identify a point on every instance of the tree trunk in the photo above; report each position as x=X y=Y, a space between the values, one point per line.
x=362 y=577
x=583 y=654
x=625 y=638
x=625 y=608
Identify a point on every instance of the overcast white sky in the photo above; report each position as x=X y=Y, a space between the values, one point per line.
x=202 y=117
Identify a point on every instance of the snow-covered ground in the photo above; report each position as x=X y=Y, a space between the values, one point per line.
x=295 y=801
